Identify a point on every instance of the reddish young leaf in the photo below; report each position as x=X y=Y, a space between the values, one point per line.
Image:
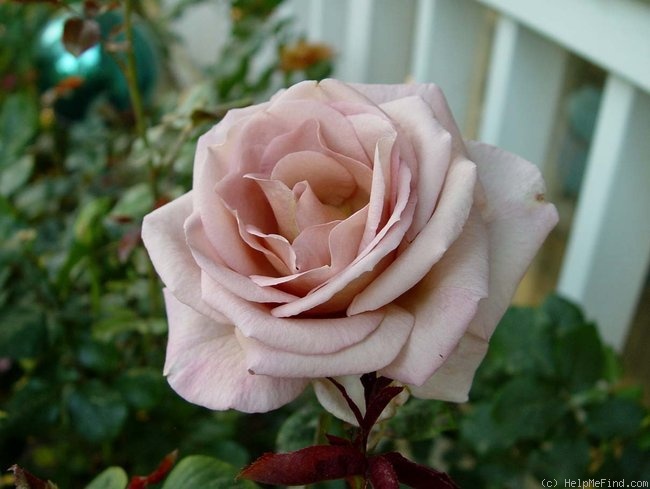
x=143 y=481
x=381 y=474
x=306 y=466
x=25 y=480
x=418 y=476
x=337 y=440
x=80 y=34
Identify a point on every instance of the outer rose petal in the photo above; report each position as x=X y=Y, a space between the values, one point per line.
x=444 y=303
x=431 y=94
x=205 y=364
x=162 y=233
x=429 y=246
x=374 y=352
x=518 y=220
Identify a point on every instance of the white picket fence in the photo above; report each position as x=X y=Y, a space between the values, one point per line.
x=502 y=65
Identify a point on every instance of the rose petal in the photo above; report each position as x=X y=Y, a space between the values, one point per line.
x=329 y=180
x=312 y=212
x=217 y=136
x=210 y=262
x=518 y=220
x=205 y=365
x=304 y=336
x=432 y=146
x=452 y=381
x=429 y=246
x=374 y=352
x=283 y=204
x=386 y=241
x=444 y=303
x=162 y=233
x=430 y=93
x=336 y=131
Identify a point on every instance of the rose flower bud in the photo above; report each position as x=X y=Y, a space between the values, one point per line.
x=336 y=230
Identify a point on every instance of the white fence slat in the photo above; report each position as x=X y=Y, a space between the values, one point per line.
x=448 y=50
x=523 y=91
x=613 y=34
x=607 y=260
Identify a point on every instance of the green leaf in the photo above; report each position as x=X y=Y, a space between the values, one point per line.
x=34 y=406
x=88 y=226
x=201 y=472
x=143 y=388
x=23 y=333
x=111 y=478
x=580 y=358
x=18 y=124
x=299 y=429
x=98 y=357
x=481 y=431
x=16 y=174
x=564 y=458
x=97 y=412
x=521 y=344
x=135 y=202
x=616 y=417
x=421 y=419
x=564 y=314
x=527 y=409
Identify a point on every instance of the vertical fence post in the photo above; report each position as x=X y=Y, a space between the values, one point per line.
x=523 y=91
x=607 y=259
x=448 y=51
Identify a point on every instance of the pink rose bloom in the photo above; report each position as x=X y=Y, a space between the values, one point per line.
x=336 y=230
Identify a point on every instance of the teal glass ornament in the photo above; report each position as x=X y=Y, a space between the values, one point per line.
x=97 y=68
x=54 y=64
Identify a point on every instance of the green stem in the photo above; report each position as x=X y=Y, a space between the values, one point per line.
x=131 y=74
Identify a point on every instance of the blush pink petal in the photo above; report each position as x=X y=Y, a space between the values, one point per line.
x=430 y=93
x=518 y=219
x=307 y=137
x=283 y=204
x=429 y=246
x=217 y=136
x=374 y=352
x=303 y=336
x=328 y=90
x=329 y=180
x=336 y=131
x=310 y=211
x=386 y=241
x=444 y=303
x=206 y=365
x=342 y=243
x=311 y=247
x=452 y=381
x=163 y=236
x=209 y=261
x=432 y=147
x=221 y=228
x=370 y=128
x=378 y=205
